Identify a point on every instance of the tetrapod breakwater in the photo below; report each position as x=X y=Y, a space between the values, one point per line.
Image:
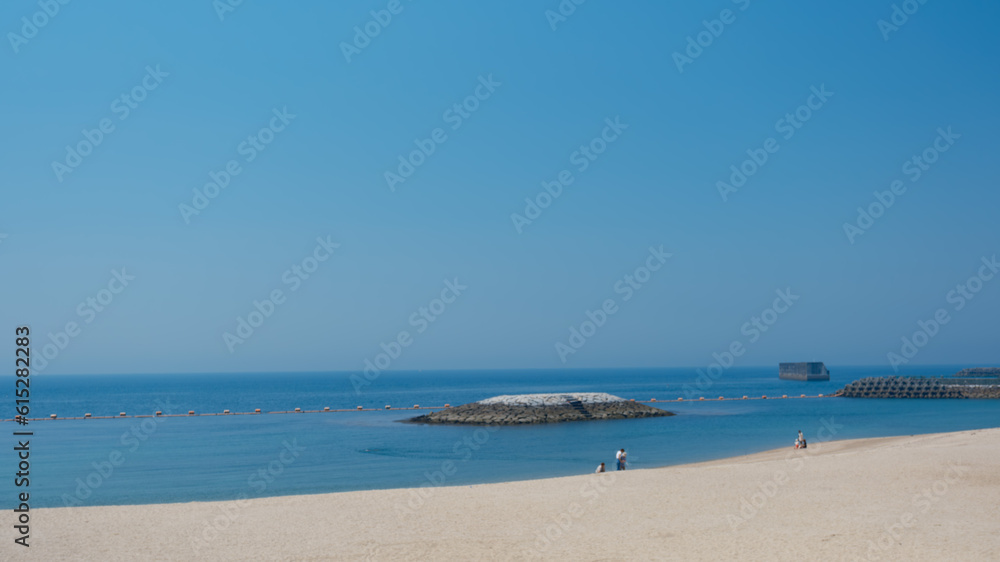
x=920 y=387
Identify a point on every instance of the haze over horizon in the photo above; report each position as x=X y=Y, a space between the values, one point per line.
x=345 y=253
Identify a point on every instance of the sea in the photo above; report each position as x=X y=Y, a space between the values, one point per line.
x=91 y=462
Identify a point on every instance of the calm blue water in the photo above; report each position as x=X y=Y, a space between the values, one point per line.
x=218 y=458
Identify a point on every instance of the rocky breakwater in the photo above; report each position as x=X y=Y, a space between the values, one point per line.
x=524 y=409
x=987 y=372
x=921 y=387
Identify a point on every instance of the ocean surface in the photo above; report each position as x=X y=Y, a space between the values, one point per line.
x=138 y=461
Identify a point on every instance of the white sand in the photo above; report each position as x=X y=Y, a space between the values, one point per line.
x=938 y=496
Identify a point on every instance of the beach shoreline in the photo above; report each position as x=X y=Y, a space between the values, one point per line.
x=919 y=497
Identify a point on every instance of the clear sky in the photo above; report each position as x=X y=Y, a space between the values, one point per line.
x=196 y=86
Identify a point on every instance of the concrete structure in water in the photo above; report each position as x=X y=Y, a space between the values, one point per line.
x=803 y=372
x=921 y=387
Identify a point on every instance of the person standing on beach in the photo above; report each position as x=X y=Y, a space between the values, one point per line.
x=800 y=441
x=620 y=457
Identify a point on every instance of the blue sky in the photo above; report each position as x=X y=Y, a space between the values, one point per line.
x=656 y=184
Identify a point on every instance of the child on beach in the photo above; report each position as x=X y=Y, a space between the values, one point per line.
x=800 y=441
x=600 y=468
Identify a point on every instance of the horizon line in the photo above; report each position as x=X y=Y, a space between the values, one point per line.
x=473 y=369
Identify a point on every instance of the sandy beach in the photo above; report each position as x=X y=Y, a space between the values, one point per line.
x=924 y=497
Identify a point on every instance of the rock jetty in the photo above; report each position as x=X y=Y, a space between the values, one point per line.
x=978 y=372
x=917 y=387
x=523 y=409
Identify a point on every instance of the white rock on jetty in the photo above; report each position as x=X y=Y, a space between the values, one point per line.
x=542 y=408
x=551 y=399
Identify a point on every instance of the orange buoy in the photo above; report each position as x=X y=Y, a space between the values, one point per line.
x=257 y=411
x=159 y=413
x=701 y=398
x=190 y=412
x=447 y=405
x=784 y=396
x=744 y=397
x=416 y=406
x=680 y=399
x=326 y=409
x=86 y=415
x=225 y=411
x=122 y=414
x=360 y=408
x=721 y=398
x=652 y=399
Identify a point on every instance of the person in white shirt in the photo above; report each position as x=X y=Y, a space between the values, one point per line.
x=600 y=468
x=620 y=457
